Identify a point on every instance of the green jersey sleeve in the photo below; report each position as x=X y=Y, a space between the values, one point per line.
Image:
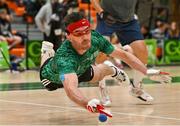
x=104 y=45
x=65 y=64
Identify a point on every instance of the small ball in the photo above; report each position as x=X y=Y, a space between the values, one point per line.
x=102 y=117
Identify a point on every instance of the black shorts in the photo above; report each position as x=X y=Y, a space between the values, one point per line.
x=87 y=75
x=50 y=86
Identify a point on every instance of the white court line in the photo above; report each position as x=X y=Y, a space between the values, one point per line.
x=42 y=105
x=79 y=109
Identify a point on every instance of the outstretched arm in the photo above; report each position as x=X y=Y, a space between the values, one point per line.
x=130 y=59
x=71 y=87
x=135 y=63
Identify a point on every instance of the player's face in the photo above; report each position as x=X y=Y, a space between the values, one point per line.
x=81 y=38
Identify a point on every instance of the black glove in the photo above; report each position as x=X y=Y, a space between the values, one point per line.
x=107 y=18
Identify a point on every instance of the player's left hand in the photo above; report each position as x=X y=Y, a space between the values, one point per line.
x=158 y=75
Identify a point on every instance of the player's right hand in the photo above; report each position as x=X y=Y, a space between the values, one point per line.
x=157 y=75
x=93 y=104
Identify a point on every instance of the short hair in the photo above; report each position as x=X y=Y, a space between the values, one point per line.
x=73 y=17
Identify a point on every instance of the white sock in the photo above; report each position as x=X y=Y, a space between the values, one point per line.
x=137 y=78
x=107 y=62
x=102 y=83
x=103 y=90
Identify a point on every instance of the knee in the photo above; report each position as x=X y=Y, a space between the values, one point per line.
x=140 y=50
x=100 y=71
x=104 y=70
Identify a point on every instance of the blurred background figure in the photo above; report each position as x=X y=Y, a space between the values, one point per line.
x=159 y=34
x=4 y=6
x=162 y=15
x=43 y=19
x=145 y=31
x=33 y=6
x=173 y=31
x=49 y=20
x=6 y=33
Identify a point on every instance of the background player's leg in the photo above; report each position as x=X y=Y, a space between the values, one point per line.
x=140 y=51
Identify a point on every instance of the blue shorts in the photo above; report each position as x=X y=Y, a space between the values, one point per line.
x=126 y=32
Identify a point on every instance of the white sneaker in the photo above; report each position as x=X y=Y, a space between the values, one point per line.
x=120 y=75
x=104 y=95
x=46 y=51
x=140 y=93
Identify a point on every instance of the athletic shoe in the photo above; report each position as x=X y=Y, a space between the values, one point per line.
x=120 y=75
x=46 y=51
x=140 y=93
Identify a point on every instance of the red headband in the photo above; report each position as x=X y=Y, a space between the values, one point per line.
x=83 y=22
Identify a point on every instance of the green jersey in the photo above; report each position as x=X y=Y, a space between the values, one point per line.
x=67 y=60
